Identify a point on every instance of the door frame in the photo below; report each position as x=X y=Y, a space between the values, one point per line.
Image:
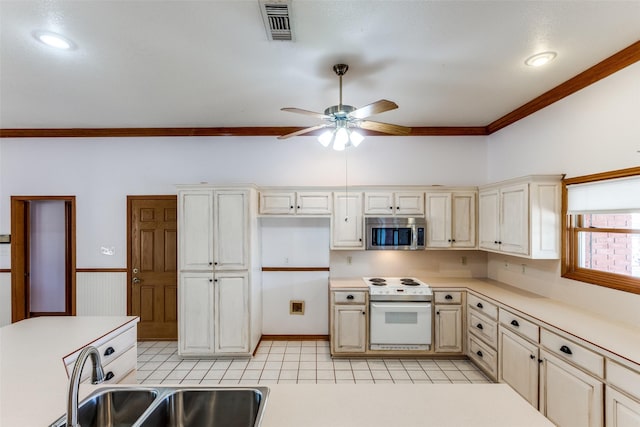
x=20 y=232
x=130 y=200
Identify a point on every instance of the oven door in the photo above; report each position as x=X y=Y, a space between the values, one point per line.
x=401 y=323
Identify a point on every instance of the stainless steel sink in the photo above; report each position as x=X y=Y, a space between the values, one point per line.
x=172 y=406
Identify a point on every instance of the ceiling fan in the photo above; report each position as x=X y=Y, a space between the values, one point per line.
x=343 y=120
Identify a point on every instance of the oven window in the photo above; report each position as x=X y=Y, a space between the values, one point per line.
x=395 y=318
x=391 y=236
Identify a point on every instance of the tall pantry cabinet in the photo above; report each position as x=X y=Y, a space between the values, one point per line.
x=219 y=309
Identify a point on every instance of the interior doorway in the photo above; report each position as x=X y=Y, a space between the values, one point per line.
x=42 y=256
x=152 y=273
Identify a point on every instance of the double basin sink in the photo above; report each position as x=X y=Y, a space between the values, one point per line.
x=171 y=406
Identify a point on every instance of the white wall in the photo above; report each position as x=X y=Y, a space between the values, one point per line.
x=594 y=130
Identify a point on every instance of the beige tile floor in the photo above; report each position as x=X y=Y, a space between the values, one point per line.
x=295 y=362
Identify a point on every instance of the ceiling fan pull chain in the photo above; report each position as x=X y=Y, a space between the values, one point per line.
x=346 y=191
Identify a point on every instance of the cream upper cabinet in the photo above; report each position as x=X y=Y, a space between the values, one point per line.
x=568 y=396
x=521 y=217
x=316 y=203
x=213 y=229
x=402 y=203
x=451 y=219
x=347 y=221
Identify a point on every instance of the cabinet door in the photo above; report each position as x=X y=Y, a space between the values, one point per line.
x=514 y=219
x=463 y=220
x=438 y=220
x=518 y=365
x=195 y=314
x=621 y=410
x=232 y=312
x=409 y=203
x=448 y=329
x=349 y=328
x=568 y=396
x=313 y=203
x=379 y=204
x=231 y=229
x=347 y=221
x=277 y=203
x=196 y=230
x=489 y=219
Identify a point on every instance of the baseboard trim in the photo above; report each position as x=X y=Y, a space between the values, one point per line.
x=295 y=337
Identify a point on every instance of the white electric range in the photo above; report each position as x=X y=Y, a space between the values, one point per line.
x=400 y=313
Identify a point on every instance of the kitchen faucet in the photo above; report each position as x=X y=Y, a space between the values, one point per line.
x=97 y=376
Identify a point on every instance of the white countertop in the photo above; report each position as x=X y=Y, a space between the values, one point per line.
x=406 y=405
x=618 y=338
x=33 y=377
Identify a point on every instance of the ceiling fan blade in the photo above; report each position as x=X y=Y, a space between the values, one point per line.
x=374 y=108
x=306 y=112
x=303 y=131
x=384 y=127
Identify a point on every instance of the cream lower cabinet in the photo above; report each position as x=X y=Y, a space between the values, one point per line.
x=518 y=364
x=621 y=410
x=348 y=322
x=213 y=314
x=448 y=329
x=568 y=396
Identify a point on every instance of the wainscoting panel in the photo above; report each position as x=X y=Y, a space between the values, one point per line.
x=5 y=299
x=101 y=294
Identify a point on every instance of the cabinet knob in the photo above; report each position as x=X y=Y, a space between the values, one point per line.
x=453 y=240
x=215 y=280
x=391 y=207
x=210 y=280
x=438 y=313
x=479 y=353
x=215 y=263
x=449 y=240
x=515 y=323
x=364 y=313
x=291 y=207
x=109 y=376
x=210 y=263
x=532 y=357
x=448 y=297
x=479 y=305
x=397 y=208
x=349 y=296
x=109 y=351
x=479 y=326
x=495 y=242
x=566 y=350
x=499 y=242
x=298 y=207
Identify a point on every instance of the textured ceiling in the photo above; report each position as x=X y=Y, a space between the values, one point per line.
x=210 y=64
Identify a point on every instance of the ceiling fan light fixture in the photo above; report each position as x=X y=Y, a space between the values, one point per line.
x=540 y=59
x=54 y=40
x=325 y=138
x=341 y=139
x=356 y=138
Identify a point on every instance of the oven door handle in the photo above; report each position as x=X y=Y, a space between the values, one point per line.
x=401 y=305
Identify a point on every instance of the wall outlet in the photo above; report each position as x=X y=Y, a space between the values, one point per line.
x=463 y=260
x=349 y=260
x=286 y=261
x=506 y=265
x=524 y=268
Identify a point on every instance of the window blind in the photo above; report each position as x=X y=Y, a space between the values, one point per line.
x=612 y=195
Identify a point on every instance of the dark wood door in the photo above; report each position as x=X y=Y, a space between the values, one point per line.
x=153 y=260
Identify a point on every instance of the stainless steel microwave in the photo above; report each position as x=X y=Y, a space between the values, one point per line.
x=406 y=234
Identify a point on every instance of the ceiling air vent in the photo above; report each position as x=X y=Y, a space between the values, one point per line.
x=275 y=14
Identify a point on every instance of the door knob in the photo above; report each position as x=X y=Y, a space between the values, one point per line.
x=136 y=280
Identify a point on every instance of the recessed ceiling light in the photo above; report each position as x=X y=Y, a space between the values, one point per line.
x=54 y=40
x=540 y=59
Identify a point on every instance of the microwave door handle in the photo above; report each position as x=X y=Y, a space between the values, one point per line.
x=414 y=237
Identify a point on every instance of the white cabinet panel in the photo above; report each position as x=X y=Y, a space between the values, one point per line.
x=514 y=219
x=568 y=396
x=403 y=203
x=448 y=329
x=231 y=312
x=518 y=365
x=409 y=203
x=463 y=220
x=195 y=314
x=278 y=203
x=196 y=230
x=231 y=230
x=347 y=221
x=489 y=219
x=621 y=410
x=349 y=328
x=313 y=203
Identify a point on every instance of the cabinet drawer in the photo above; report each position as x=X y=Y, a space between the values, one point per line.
x=569 y=350
x=349 y=297
x=483 y=306
x=483 y=327
x=623 y=378
x=109 y=349
x=454 y=297
x=519 y=325
x=118 y=369
x=483 y=356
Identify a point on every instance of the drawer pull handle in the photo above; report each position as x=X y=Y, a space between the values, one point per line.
x=515 y=323
x=109 y=351
x=448 y=297
x=349 y=296
x=479 y=353
x=479 y=305
x=531 y=356
x=109 y=376
x=566 y=350
x=479 y=326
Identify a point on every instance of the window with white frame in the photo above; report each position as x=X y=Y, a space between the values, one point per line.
x=602 y=229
